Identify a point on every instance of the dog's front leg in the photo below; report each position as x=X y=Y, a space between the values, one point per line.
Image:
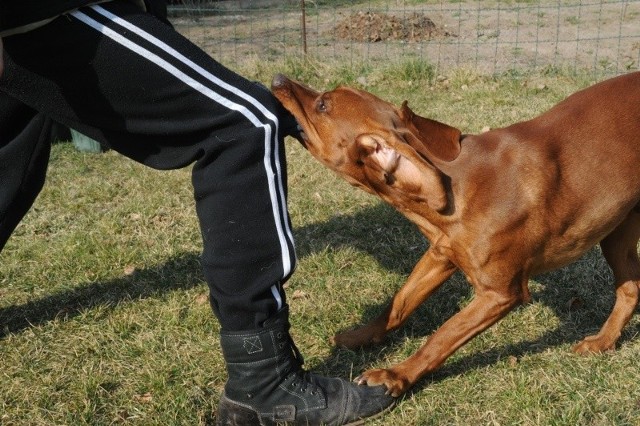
x=429 y=273
x=488 y=306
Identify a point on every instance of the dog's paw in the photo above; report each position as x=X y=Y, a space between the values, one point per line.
x=395 y=383
x=594 y=345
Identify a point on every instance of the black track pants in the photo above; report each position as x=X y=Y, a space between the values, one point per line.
x=124 y=78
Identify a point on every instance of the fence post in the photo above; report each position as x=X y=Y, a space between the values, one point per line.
x=304 y=27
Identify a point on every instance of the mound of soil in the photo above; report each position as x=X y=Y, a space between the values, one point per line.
x=374 y=27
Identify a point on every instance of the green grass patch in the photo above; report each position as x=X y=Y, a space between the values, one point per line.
x=104 y=316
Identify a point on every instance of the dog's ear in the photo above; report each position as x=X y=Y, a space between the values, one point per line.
x=399 y=167
x=430 y=138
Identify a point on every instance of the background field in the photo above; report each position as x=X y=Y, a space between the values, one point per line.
x=601 y=36
x=104 y=317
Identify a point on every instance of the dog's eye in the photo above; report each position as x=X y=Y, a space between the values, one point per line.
x=321 y=106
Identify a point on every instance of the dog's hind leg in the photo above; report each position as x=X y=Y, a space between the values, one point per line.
x=620 y=249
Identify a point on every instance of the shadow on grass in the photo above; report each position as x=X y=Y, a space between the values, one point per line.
x=561 y=290
x=396 y=245
x=580 y=295
x=180 y=273
x=184 y=272
x=393 y=241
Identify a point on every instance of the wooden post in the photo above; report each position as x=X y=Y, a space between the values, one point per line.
x=304 y=27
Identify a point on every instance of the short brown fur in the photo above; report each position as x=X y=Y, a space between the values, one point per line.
x=500 y=206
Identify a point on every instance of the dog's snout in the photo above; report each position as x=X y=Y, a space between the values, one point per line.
x=279 y=81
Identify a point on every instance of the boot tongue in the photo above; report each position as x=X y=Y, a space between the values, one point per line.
x=279 y=323
x=280 y=319
x=296 y=353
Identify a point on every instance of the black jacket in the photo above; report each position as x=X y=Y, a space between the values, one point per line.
x=19 y=13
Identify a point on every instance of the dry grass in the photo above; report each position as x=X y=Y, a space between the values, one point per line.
x=104 y=315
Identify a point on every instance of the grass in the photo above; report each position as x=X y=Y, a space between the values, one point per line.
x=104 y=316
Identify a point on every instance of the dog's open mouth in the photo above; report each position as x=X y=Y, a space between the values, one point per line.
x=303 y=139
x=300 y=135
x=281 y=87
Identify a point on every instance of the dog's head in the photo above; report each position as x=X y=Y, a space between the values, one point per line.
x=385 y=150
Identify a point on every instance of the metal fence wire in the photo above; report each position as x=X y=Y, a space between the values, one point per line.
x=601 y=37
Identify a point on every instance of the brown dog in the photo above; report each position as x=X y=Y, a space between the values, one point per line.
x=500 y=206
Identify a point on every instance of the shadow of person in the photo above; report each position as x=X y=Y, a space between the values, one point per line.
x=378 y=230
x=580 y=294
x=141 y=284
x=186 y=272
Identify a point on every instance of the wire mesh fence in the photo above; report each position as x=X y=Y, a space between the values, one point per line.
x=597 y=36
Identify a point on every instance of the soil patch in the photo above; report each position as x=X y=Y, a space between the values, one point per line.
x=375 y=27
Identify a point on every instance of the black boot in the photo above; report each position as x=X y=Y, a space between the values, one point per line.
x=268 y=386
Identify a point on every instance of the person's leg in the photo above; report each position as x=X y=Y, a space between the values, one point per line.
x=135 y=85
x=25 y=141
x=160 y=101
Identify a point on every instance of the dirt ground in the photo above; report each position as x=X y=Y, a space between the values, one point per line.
x=487 y=36
x=374 y=27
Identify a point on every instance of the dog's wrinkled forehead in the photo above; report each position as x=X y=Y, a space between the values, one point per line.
x=353 y=100
x=358 y=107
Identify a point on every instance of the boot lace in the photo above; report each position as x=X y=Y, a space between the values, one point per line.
x=303 y=380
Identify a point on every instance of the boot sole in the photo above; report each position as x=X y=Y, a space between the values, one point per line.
x=231 y=413
x=375 y=416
